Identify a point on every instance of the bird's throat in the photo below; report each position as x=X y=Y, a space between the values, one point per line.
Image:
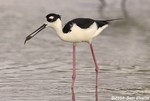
x=58 y=28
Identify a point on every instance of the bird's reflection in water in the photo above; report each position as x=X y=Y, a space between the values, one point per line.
x=74 y=98
x=73 y=95
x=96 y=94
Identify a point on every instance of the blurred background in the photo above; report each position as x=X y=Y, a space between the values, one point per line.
x=41 y=70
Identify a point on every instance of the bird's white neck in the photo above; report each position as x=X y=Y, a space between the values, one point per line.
x=57 y=26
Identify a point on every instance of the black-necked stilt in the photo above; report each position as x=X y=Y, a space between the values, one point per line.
x=75 y=31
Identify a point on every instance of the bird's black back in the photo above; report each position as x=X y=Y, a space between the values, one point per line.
x=85 y=23
x=81 y=22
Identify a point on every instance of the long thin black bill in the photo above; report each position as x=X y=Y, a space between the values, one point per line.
x=35 y=32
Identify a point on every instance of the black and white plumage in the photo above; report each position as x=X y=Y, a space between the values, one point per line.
x=83 y=23
x=76 y=30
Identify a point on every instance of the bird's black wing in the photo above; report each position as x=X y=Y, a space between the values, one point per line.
x=101 y=23
x=85 y=23
x=81 y=22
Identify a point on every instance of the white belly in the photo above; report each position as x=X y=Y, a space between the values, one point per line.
x=81 y=35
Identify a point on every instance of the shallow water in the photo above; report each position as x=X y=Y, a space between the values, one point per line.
x=41 y=70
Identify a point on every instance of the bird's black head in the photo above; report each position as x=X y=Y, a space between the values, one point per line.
x=52 y=17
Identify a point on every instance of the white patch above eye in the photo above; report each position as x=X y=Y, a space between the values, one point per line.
x=51 y=17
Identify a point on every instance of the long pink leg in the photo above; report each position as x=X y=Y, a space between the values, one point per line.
x=74 y=71
x=96 y=69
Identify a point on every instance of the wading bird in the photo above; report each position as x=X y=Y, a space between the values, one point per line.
x=75 y=31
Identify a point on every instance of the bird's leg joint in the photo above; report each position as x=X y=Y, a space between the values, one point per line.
x=73 y=77
x=96 y=70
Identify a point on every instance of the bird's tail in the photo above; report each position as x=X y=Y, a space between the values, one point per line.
x=103 y=22
x=113 y=19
